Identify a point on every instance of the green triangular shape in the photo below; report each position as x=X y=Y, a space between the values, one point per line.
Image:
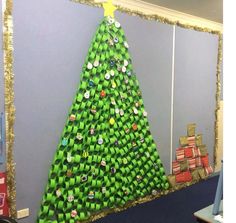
x=106 y=156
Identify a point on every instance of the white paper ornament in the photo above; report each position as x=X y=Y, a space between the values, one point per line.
x=100 y=141
x=117 y=24
x=126 y=63
x=87 y=94
x=107 y=76
x=126 y=44
x=122 y=112
x=113 y=102
x=69 y=158
x=145 y=114
x=104 y=190
x=111 y=20
x=89 y=66
x=58 y=193
x=112 y=73
x=135 y=111
x=117 y=110
x=123 y=69
x=96 y=63
x=70 y=198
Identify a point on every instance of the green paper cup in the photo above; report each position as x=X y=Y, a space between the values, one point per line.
x=98 y=207
x=60 y=204
x=92 y=206
x=105 y=204
x=82 y=105
x=79 y=98
x=69 y=128
x=60 y=180
x=87 y=205
x=107 y=194
x=112 y=199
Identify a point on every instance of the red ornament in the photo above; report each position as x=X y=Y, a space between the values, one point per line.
x=134 y=127
x=103 y=94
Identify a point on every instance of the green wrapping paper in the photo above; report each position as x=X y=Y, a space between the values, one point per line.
x=106 y=157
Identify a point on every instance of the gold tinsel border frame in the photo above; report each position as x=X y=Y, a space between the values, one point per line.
x=9 y=103
x=10 y=108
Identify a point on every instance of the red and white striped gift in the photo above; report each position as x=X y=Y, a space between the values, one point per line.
x=175 y=167
x=205 y=160
x=191 y=141
x=198 y=162
x=180 y=154
x=192 y=163
x=197 y=152
x=208 y=170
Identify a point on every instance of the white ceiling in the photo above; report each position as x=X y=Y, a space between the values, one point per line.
x=208 y=9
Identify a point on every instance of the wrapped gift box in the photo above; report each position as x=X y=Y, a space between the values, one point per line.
x=199 y=140
x=183 y=140
x=203 y=150
x=175 y=167
x=197 y=152
x=205 y=161
x=198 y=161
x=183 y=177
x=195 y=175
x=202 y=173
x=208 y=170
x=183 y=165
x=189 y=152
x=180 y=154
x=191 y=141
x=172 y=180
x=192 y=163
x=191 y=128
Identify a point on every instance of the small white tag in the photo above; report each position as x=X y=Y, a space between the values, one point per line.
x=2 y=180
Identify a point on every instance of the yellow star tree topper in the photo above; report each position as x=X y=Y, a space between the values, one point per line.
x=109 y=8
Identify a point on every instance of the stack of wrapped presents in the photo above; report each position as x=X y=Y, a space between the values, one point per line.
x=192 y=161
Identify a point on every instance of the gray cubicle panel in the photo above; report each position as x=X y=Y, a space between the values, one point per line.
x=51 y=42
x=195 y=85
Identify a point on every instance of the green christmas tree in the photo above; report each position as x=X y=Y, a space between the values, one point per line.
x=106 y=157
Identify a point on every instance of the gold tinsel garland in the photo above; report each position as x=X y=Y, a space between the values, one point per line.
x=9 y=104
x=9 y=96
x=218 y=92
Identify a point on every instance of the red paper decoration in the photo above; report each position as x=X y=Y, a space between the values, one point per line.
x=103 y=94
x=4 y=209
x=184 y=177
